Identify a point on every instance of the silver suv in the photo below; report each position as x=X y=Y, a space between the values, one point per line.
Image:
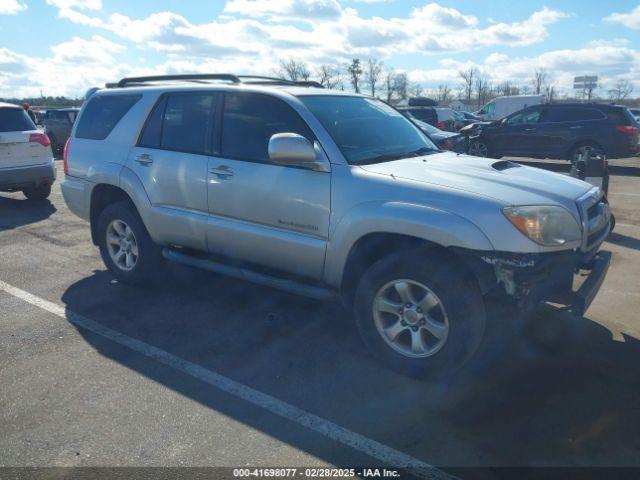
x=331 y=195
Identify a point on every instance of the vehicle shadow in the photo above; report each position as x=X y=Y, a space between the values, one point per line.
x=567 y=398
x=16 y=212
x=624 y=240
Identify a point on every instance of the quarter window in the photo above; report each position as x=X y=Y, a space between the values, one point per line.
x=102 y=114
x=249 y=122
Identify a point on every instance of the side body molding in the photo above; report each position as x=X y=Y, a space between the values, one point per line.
x=438 y=226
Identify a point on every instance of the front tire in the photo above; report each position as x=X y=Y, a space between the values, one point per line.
x=125 y=245
x=479 y=147
x=420 y=315
x=37 y=193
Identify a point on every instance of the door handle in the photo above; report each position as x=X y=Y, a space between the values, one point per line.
x=222 y=171
x=529 y=129
x=575 y=127
x=144 y=159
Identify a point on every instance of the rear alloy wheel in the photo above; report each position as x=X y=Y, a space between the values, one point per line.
x=478 y=148
x=125 y=245
x=37 y=193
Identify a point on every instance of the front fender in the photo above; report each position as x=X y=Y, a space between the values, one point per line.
x=434 y=225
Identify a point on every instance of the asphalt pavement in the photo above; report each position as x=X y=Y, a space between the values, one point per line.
x=202 y=370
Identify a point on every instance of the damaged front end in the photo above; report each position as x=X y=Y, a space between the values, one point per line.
x=571 y=278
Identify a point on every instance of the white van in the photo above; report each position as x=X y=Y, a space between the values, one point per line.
x=500 y=107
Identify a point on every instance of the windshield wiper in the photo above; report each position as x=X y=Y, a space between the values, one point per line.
x=422 y=151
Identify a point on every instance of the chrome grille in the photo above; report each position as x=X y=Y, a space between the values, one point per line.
x=595 y=217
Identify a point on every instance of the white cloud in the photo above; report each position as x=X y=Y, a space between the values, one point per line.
x=78 y=50
x=630 y=19
x=305 y=10
x=11 y=7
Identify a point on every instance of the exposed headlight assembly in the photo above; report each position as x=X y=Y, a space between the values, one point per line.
x=547 y=225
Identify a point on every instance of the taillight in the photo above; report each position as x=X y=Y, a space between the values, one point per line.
x=440 y=125
x=65 y=154
x=628 y=129
x=40 y=138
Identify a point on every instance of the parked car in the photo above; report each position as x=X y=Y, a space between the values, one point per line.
x=26 y=163
x=57 y=124
x=445 y=140
x=440 y=117
x=636 y=113
x=332 y=195
x=462 y=119
x=500 y=107
x=564 y=131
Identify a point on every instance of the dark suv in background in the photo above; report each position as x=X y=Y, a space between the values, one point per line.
x=57 y=124
x=563 y=131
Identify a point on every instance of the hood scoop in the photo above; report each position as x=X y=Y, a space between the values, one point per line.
x=504 y=165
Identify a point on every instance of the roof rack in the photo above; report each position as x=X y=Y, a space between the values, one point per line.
x=205 y=77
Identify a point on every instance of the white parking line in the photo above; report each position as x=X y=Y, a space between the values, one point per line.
x=627 y=225
x=385 y=454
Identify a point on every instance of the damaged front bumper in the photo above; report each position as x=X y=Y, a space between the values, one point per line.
x=570 y=278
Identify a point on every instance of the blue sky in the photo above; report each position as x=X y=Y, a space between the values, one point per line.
x=66 y=46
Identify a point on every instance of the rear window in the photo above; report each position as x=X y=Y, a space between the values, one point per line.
x=425 y=114
x=102 y=114
x=621 y=116
x=573 y=114
x=15 y=120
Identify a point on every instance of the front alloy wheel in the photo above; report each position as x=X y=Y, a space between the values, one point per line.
x=410 y=318
x=478 y=148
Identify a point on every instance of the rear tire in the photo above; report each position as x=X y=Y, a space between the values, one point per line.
x=125 y=245
x=37 y=193
x=435 y=334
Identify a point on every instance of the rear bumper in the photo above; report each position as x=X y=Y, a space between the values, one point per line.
x=17 y=178
x=77 y=196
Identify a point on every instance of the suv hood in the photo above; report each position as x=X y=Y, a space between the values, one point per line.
x=510 y=183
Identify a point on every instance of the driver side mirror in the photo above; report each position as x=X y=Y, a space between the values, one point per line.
x=293 y=150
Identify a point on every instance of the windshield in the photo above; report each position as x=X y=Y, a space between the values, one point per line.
x=367 y=130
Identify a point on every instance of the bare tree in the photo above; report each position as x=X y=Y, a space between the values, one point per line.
x=329 y=76
x=621 y=90
x=539 y=80
x=507 y=88
x=400 y=85
x=355 y=72
x=417 y=90
x=443 y=94
x=483 y=89
x=389 y=83
x=372 y=74
x=468 y=80
x=550 y=92
x=294 y=70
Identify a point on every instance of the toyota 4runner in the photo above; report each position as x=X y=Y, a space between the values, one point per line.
x=331 y=195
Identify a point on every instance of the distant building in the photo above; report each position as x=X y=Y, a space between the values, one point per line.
x=461 y=107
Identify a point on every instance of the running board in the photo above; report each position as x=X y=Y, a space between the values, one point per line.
x=286 y=285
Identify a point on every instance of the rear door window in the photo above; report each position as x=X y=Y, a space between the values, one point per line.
x=249 y=122
x=181 y=122
x=572 y=114
x=15 y=120
x=102 y=114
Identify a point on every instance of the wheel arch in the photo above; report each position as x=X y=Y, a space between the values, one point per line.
x=102 y=195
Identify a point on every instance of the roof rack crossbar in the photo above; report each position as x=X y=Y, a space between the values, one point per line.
x=192 y=76
x=204 y=77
